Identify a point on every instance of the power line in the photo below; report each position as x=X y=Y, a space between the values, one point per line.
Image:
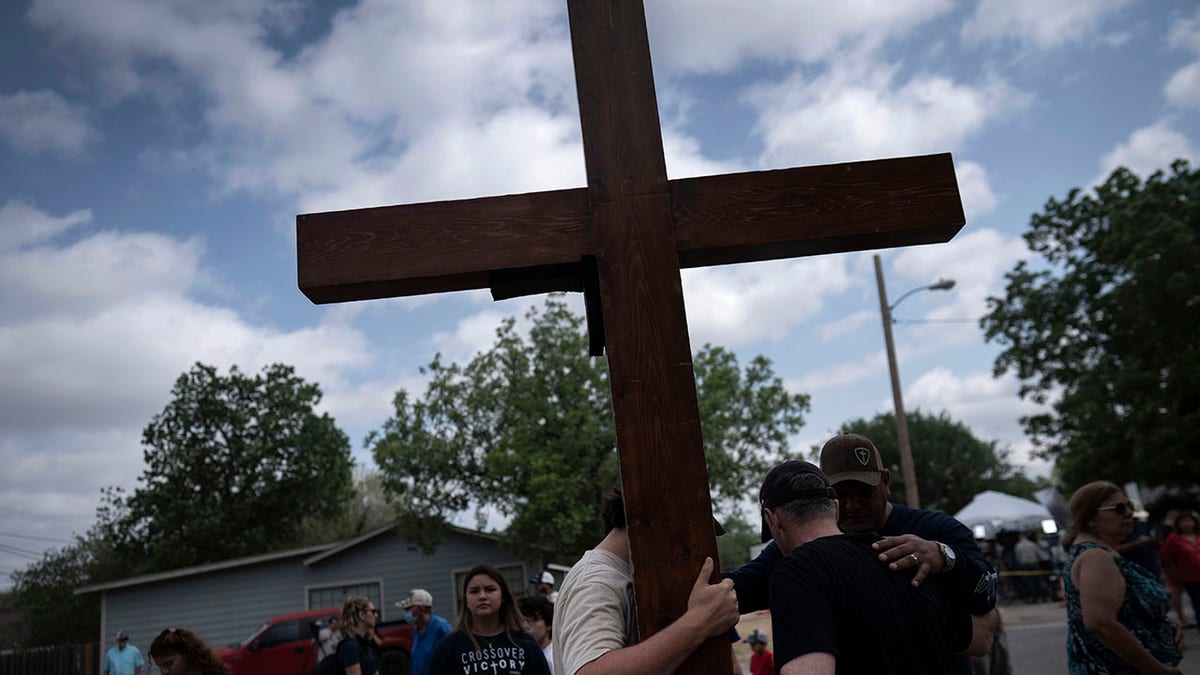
x=25 y=553
x=41 y=516
x=935 y=320
x=34 y=538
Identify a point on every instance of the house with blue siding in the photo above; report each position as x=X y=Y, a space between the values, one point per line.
x=225 y=602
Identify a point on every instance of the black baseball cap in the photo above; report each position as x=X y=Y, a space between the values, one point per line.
x=778 y=488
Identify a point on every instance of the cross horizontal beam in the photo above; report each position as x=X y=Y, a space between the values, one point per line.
x=434 y=247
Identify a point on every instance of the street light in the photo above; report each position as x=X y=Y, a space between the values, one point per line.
x=906 y=460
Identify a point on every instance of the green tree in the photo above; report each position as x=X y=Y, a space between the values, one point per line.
x=233 y=465
x=1103 y=329
x=526 y=429
x=952 y=465
x=44 y=592
x=368 y=508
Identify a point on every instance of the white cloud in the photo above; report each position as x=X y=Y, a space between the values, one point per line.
x=21 y=223
x=845 y=325
x=977 y=196
x=990 y=407
x=473 y=334
x=976 y=261
x=42 y=121
x=736 y=305
x=1147 y=150
x=94 y=334
x=858 y=110
x=714 y=35
x=1037 y=24
x=1183 y=89
x=1184 y=33
x=840 y=375
x=327 y=123
x=98 y=271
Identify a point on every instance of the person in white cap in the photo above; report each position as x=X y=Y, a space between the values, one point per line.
x=544 y=585
x=124 y=659
x=428 y=628
x=762 y=661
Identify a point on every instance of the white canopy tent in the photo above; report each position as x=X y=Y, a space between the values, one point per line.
x=990 y=511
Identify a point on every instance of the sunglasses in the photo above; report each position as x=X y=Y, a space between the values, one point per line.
x=1119 y=508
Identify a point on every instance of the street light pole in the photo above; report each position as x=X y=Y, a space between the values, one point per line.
x=906 y=460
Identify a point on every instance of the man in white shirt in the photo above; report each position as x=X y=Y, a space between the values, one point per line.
x=595 y=624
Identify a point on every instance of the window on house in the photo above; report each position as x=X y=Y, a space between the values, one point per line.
x=335 y=594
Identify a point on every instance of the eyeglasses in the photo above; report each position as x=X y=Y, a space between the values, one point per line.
x=1119 y=508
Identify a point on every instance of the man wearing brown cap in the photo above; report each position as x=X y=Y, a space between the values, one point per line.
x=835 y=608
x=931 y=542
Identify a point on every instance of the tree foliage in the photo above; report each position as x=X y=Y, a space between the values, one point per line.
x=951 y=464
x=233 y=465
x=44 y=592
x=368 y=508
x=525 y=428
x=1103 y=329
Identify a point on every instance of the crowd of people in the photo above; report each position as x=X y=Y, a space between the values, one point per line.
x=854 y=583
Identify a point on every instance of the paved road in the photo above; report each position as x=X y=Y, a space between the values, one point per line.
x=1037 y=638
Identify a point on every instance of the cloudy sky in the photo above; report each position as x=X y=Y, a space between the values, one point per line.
x=154 y=154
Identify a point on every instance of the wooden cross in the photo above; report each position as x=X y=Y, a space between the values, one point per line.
x=623 y=240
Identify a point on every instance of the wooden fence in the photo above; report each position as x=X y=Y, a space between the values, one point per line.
x=69 y=660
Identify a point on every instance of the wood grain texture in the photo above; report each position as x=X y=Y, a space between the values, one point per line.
x=663 y=471
x=639 y=229
x=761 y=215
x=437 y=246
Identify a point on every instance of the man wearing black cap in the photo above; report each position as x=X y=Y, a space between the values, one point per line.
x=834 y=607
x=931 y=542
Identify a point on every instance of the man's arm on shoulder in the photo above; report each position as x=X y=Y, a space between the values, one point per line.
x=751 y=580
x=712 y=611
x=813 y=663
x=974 y=576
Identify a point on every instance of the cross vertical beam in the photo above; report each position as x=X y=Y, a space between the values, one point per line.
x=663 y=470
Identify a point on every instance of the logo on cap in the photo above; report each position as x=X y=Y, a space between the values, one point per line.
x=863 y=455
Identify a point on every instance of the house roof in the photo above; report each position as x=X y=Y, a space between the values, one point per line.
x=314 y=555
x=340 y=547
x=200 y=569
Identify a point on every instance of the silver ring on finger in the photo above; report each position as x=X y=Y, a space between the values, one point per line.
x=914 y=557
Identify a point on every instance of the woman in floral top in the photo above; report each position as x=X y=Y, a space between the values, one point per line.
x=1116 y=613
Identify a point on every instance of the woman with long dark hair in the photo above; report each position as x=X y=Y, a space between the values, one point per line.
x=1116 y=612
x=489 y=635
x=358 y=654
x=179 y=651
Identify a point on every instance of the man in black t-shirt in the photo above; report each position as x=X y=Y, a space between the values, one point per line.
x=835 y=608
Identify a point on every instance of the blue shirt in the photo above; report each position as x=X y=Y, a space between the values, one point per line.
x=123 y=661
x=424 y=642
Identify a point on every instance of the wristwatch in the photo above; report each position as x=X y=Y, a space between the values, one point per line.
x=948 y=557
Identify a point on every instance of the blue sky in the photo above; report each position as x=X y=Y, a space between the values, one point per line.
x=154 y=154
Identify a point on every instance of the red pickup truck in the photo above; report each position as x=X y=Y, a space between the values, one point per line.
x=286 y=645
